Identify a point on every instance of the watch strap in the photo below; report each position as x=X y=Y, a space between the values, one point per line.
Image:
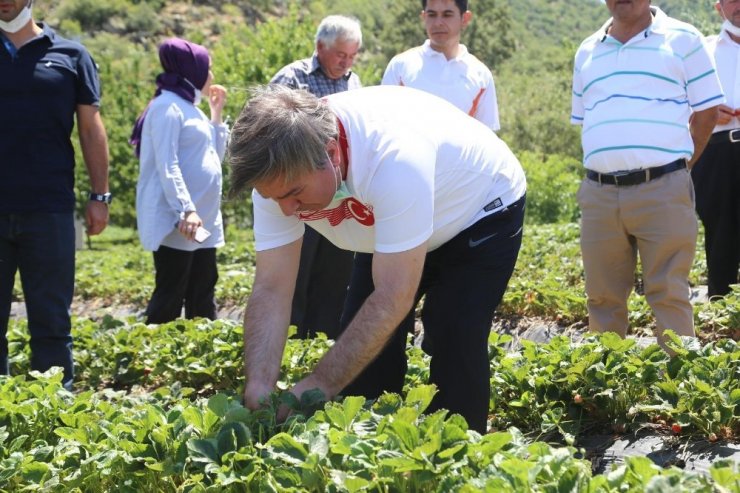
x=101 y=197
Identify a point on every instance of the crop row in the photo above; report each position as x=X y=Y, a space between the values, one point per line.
x=52 y=440
x=548 y=280
x=602 y=383
x=156 y=408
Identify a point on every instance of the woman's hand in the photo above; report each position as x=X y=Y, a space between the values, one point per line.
x=189 y=224
x=216 y=100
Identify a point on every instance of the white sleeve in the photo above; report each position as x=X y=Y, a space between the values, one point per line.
x=164 y=125
x=391 y=77
x=221 y=134
x=272 y=228
x=402 y=196
x=488 y=106
x=577 y=112
x=702 y=85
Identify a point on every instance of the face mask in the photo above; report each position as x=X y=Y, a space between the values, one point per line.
x=341 y=187
x=18 y=23
x=731 y=28
x=342 y=192
x=198 y=97
x=197 y=93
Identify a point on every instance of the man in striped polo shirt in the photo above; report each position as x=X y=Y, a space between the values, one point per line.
x=717 y=174
x=646 y=93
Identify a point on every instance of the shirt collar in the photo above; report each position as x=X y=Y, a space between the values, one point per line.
x=316 y=65
x=427 y=50
x=658 y=25
x=660 y=21
x=724 y=37
x=46 y=32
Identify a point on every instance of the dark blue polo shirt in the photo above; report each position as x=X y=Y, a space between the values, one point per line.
x=41 y=85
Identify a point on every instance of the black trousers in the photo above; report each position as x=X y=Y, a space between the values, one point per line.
x=323 y=276
x=716 y=177
x=462 y=283
x=183 y=277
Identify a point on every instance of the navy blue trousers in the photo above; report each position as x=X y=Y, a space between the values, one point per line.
x=462 y=284
x=321 y=286
x=41 y=246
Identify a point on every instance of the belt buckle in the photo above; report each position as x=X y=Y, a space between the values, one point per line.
x=619 y=174
x=734 y=135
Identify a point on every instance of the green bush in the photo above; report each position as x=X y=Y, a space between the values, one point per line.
x=552 y=183
x=92 y=14
x=127 y=77
x=143 y=18
x=534 y=93
x=531 y=65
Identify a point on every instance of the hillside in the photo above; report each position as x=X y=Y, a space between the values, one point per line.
x=529 y=45
x=533 y=21
x=541 y=22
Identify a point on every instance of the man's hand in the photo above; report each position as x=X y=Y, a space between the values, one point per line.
x=311 y=382
x=266 y=320
x=726 y=114
x=256 y=395
x=396 y=279
x=96 y=217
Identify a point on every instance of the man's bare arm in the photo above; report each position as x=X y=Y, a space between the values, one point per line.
x=267 y=318
x=94 y=144
x=701 y=125
x=396 y=277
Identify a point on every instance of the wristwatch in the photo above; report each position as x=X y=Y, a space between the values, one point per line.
x=101 y=197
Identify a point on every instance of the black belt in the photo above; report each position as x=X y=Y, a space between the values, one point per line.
x=732 y=136
x=628 y=178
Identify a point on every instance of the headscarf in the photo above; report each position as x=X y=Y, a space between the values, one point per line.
x=186 y=67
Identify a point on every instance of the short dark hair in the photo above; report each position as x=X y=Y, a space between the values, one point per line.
x=461 y=4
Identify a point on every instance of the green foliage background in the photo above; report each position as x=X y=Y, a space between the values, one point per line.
x=529 y=45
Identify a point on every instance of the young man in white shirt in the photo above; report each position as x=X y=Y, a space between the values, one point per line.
x=433 y=195
x=442 y=65
x=717 y=173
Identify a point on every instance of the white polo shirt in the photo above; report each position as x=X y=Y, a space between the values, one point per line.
x=634 y=99
x=726 y=53
x=418 y=170
x=463 y=81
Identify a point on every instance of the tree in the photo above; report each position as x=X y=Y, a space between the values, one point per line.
x=489 y=36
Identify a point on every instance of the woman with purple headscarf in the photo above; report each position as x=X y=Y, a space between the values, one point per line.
x=178 y=195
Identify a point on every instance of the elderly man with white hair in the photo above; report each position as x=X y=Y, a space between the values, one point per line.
x=324 y=269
